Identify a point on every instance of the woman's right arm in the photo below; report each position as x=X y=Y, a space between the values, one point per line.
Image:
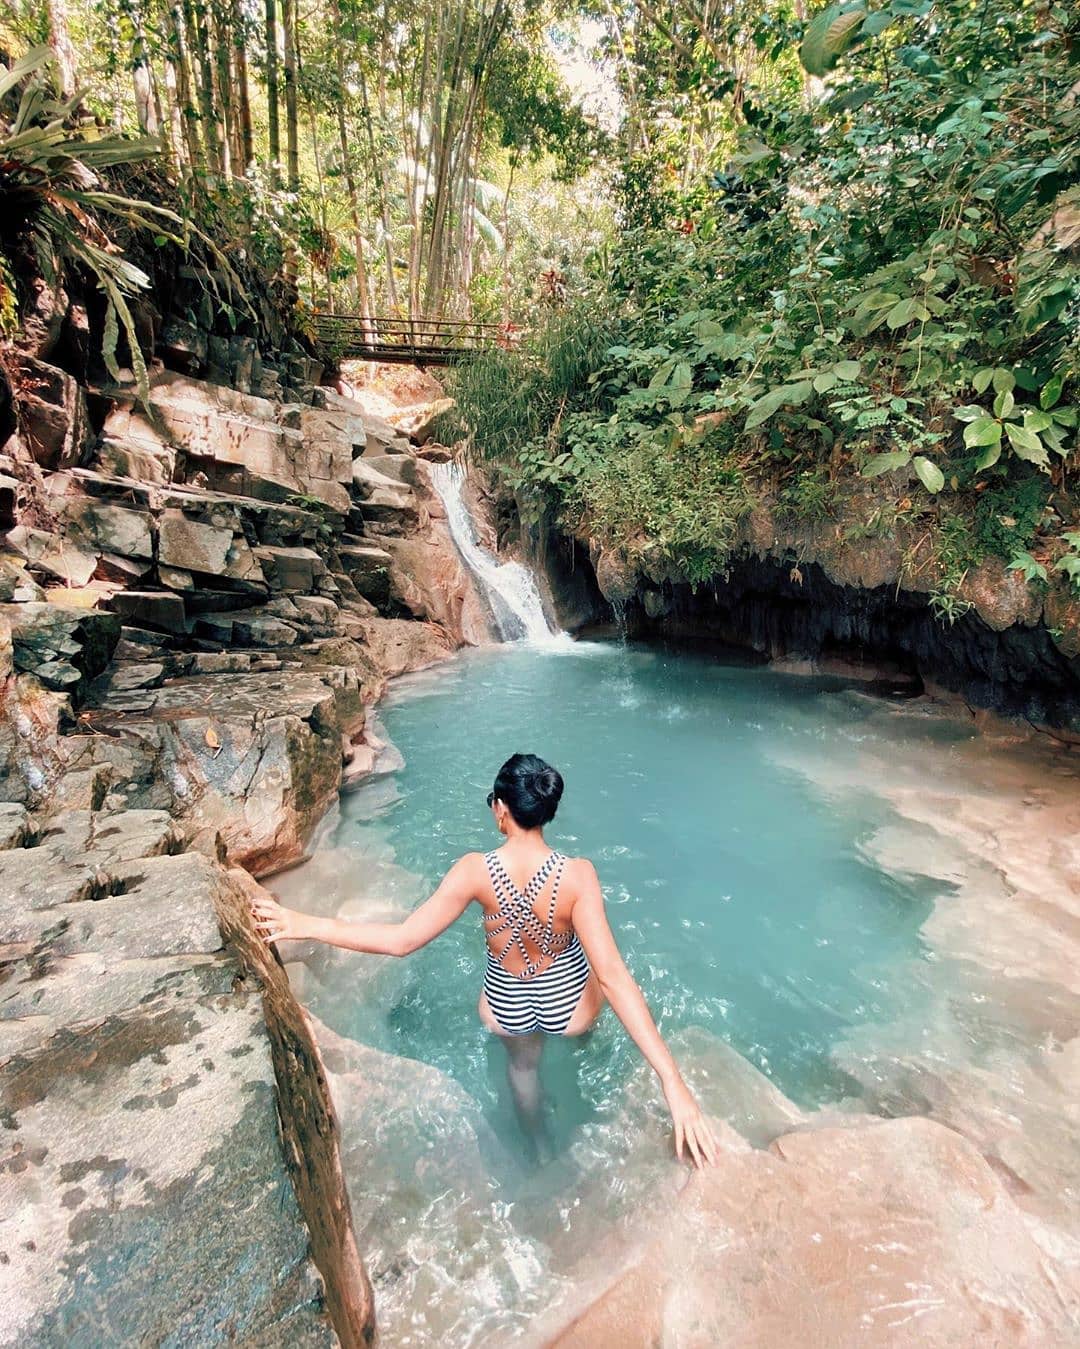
x=275 y=923
x=629 y=1005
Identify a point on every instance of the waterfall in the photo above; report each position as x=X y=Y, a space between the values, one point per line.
x=509 y=588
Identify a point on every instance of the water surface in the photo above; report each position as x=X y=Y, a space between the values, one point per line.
x=750 y=900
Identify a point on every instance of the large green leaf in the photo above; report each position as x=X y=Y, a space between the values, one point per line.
x=787 y=395
x=885 y=463
x=33 y=60
x=928 y=473
x=985 y=431
x=1026 y=445
x=829 y=35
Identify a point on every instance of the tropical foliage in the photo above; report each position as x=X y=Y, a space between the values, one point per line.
x=371 y=152
x=869 y=294
x=52 y=194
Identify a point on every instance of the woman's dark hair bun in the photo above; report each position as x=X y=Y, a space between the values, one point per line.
x=530 y=788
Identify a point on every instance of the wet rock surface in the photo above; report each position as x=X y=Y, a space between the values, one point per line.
x=891 y=1233
x=812 y=598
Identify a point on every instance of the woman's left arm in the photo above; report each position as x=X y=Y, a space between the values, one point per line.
x=456 y=890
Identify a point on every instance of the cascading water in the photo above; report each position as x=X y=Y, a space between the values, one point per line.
x=509 y=587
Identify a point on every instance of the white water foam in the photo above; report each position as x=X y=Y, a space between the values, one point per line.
x=509 y=587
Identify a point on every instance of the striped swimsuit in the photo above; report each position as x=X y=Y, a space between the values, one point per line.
x=536 y=999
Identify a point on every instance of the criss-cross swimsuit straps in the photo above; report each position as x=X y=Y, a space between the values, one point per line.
x=542 y=996
x=516 y=916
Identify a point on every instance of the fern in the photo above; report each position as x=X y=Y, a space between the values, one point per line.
x=48 y=177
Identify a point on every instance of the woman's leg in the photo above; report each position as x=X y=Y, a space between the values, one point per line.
x=523 y=1073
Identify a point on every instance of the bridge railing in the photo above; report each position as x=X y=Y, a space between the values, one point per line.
x=435 y=341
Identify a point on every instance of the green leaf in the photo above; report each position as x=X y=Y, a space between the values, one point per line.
x=970 y=412
x=662 y=374
x=1051 y=390
x=989 y=456
x=885 y=463
x=1033 y=571
x=825 y=381
x=829 y=35
x=34 y=58
x=848 y=371
x=986 y=431
x=1004 y=403
x=877 y=23
x=1037 y=421
x=901 y=313
x=928 y=473
x=1026 y=445
x=1004 y=381
x=981 y=382
x=787 y=395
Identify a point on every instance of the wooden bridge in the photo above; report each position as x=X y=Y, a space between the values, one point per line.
x=406 y=341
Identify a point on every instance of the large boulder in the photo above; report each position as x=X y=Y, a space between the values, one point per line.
x=53 y=554
x=418 y=422
x=244 y=444
x=249 y=762
x=147 y=1195
x=102 y=526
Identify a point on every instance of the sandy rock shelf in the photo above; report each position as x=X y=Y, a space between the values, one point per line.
x=892 y=1233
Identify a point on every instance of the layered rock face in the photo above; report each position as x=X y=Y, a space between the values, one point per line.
x=214 y=592
x=198 y=602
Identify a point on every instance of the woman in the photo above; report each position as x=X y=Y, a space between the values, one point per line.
x=551 y=959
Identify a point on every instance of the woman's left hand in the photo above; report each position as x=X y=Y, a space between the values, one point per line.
x=692 y=1129
x=274 y=922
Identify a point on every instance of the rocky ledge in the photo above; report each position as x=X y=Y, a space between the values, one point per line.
x=824 y=597
x=199 y=601
x=146 y=1192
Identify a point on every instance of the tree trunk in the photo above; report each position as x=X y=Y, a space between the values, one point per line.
x=60 y=42
x=384 y=204
x=178 y=62
x=292 y=131
x=222 y=84
x=199 y=41
x=362 y=292
x=273 y=124
x=147 y=104
x=245 y=134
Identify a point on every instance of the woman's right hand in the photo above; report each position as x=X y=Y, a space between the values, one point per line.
x=692 y=1129
x=274 y=922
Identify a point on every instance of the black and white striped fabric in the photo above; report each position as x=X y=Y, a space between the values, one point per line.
x=538 y=998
